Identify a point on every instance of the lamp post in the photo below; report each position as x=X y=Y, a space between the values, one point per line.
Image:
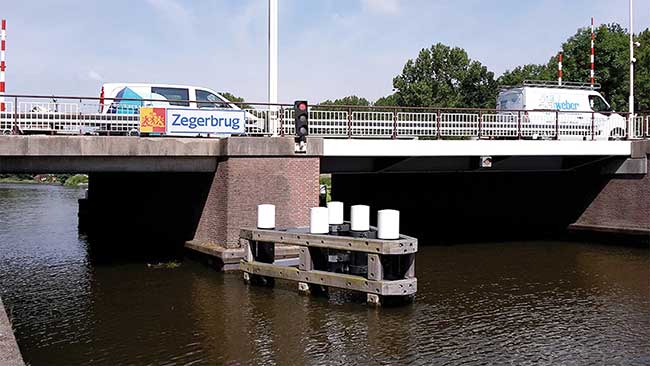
x=273 y=64
x=632 y=60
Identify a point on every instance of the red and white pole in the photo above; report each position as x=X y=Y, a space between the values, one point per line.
x=3 y=44
x=559 y=68
x=593 y=37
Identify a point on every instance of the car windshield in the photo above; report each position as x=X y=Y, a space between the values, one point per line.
x=175 y=96
x=205 y=99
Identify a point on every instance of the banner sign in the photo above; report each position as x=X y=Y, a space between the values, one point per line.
x=205 y=121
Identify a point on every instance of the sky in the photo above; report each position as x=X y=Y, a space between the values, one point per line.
x=327 y=48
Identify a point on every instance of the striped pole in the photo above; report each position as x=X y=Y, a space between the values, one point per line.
x=3 y=42
x=559 y=68
x=593 y=37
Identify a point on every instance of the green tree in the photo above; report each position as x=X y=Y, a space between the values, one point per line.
x=349 y=100
x=387 y=101
x=231 y=97
x=517 y=75
x=611 y=61
x=642 y=72
x=446 y=77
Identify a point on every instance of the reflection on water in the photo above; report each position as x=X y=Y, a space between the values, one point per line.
x=531 y=302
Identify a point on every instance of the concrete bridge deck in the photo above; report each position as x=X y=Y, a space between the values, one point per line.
x=87 y=154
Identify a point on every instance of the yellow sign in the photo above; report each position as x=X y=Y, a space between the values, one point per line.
x=152 y=120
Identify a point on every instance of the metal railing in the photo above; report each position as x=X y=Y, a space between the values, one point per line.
x=85 y=115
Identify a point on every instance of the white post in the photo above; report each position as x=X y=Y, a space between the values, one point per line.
x=273 y=65
x=631 y=100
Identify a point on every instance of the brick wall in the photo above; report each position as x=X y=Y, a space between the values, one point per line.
x=623 y=203
x=240 y=184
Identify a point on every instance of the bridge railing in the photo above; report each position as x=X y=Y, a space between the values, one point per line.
x=85 y=115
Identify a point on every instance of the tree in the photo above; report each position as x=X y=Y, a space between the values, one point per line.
x=517 y=75
x=442 y=76
x=387 y=101
x=611 y=61
x=642 y=72
x=349 y=100
x=236 y=99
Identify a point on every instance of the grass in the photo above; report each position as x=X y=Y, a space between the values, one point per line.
x=76 y=180
x=164 y=265
x=17 y=181
x=326 y=179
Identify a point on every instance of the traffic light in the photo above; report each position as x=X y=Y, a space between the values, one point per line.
x=301 y=112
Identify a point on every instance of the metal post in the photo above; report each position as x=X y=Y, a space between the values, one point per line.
x=394 y=124
x=438 y=123
x=3 y=42
x=349 y=122
x=480 y=123
x=281 y=121
x=593 y=125
x=519 y=125
x=557 y=125
x=632 y=60
x=15 y=130
x=273 y=63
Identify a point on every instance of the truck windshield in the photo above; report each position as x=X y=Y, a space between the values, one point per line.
x=597 y=104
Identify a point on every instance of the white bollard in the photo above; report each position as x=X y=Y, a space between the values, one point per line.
x=335 y=212
x=388 y=224
x=360 y=218
x=266 y=216
x=319 y=223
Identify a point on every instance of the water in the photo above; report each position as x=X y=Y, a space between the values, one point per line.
x=490 y=303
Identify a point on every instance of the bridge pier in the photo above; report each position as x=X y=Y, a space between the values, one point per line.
x=621 y=207
x=242 y=183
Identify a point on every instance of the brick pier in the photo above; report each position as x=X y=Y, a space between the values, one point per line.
x=242 y=183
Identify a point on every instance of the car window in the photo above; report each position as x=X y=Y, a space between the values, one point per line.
x=597 y=104
x=205 y=99
x=175 y=96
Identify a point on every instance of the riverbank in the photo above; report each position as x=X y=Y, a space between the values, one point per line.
x=9 y=351
x=77 y=180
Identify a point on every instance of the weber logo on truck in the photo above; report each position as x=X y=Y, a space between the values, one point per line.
x=566 y=106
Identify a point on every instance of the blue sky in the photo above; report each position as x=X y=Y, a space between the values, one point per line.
x=327 y=48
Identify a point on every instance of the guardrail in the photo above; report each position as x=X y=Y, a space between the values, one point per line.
x=85 y=115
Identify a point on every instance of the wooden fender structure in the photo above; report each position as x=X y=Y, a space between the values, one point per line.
x=380 y=268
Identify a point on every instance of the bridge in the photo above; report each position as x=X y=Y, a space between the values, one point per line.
x=201 y=191
x=467 y=176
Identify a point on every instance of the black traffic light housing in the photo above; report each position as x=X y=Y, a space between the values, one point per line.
x=301 y=113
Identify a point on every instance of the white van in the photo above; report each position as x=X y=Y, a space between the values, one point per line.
x=578 y=104
x=126 y=98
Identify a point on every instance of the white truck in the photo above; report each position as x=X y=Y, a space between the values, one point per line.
x=573 y=111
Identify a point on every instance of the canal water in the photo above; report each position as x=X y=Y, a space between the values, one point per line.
x=549 y=302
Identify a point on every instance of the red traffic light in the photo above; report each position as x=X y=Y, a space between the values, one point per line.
x=302 y=106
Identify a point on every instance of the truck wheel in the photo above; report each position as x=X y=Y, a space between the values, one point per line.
x=134 y=132
x=6 y=132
